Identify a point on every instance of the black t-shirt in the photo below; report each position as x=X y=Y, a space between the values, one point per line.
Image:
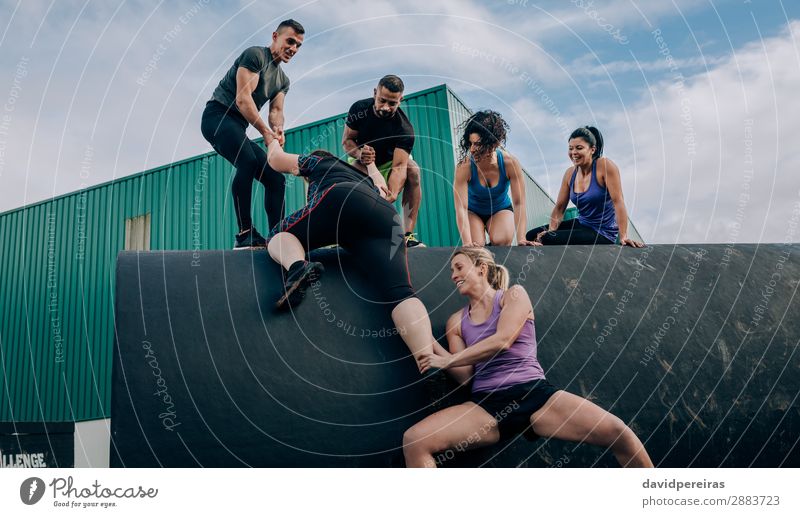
x=271 y=79
x=324 y=172
x=383 y=134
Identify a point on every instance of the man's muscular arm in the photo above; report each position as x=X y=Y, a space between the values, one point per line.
x=246 y=82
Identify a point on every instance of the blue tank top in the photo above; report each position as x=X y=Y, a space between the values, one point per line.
x=488 y=201
x=595 y=207
x=514 y=366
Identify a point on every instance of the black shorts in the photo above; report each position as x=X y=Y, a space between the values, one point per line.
x=512 y=407
x=485 y=217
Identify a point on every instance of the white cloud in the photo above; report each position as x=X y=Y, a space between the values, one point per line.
x=589 y=65
x=349 y=45
x=737 y=181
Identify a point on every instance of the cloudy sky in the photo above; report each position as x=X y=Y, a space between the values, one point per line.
x=697 y=99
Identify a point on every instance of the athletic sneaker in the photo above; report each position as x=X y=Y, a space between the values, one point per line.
x=250 y=240
x=412 y=241
x=299 y=276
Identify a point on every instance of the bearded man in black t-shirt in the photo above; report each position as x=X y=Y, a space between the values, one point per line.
x=379 y=132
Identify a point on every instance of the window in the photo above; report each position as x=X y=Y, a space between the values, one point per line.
x=137 y=233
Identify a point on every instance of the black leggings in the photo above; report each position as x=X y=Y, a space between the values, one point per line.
x=568 y=232
x=355 y=217
x=225 y=130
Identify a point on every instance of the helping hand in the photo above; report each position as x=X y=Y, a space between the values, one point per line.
x=280 y=135
x=429 y=361
x=367 y=155
x=269 y=136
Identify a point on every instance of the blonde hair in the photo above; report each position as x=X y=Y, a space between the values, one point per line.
x=497 y=274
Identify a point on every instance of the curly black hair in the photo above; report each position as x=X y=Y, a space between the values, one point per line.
x=490 y=127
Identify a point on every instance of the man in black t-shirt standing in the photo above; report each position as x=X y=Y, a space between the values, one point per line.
x=379 y=132
x=254 y=79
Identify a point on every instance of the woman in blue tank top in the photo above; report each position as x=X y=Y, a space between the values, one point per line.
x=492 y=343
x=483 y=179
x=593 y=185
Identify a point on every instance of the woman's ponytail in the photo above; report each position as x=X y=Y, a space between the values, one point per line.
x=498 y=276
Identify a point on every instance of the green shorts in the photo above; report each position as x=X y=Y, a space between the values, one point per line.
x=384 y=169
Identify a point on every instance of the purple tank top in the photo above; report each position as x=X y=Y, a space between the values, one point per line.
x=595 y=208
x=516 y=365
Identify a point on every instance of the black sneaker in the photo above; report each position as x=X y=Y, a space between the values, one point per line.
x=412 y=241
x=299 y=276
x=250 y=240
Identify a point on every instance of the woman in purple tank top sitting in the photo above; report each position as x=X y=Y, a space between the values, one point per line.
x=594 y=187
x=492 y=342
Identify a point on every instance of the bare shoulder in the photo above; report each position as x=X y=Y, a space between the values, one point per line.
x=462 y=169
x=606 y=168
x=517 y=297
x=514 y=294
x=454 y=323
x=606 y=164
x=512 y=164
x=510 y=158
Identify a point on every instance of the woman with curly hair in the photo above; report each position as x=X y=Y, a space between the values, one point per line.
x=483 y=179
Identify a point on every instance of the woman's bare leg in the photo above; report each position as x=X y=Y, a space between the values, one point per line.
x=569 y=417
x=285 y=249
x=411 y=319
x=477 y=229
x=501 y=228
x=466 y=426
